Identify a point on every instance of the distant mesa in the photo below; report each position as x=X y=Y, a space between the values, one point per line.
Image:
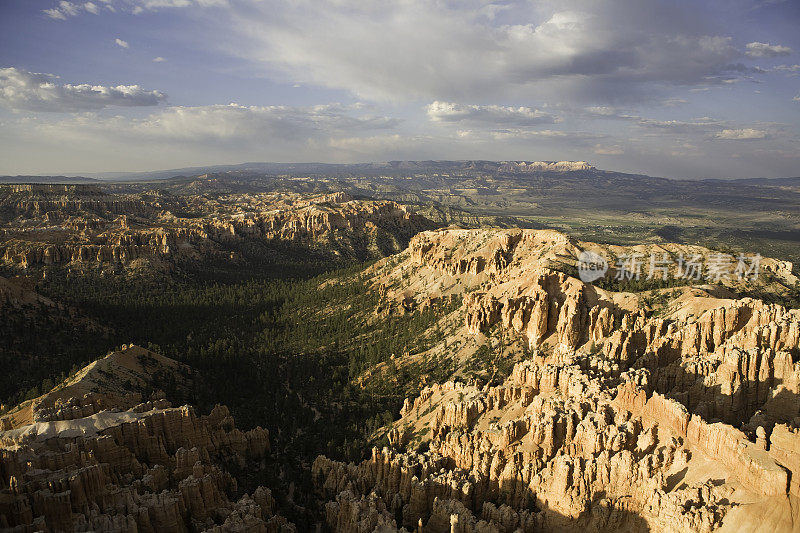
x=545 y=166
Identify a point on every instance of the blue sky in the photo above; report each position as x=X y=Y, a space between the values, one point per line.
x=678 y=89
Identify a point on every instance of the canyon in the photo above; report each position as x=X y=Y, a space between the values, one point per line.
x=534 y=401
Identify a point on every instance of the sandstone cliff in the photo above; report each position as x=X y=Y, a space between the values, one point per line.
x=669 y=410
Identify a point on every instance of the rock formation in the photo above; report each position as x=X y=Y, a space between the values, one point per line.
x=623 y=417
x=544 y=166
x=80 y=224
x=109 y=461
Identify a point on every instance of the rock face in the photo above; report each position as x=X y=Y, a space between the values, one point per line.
x=111 y=462
x=52 y=200
x=560 y=448
x=60 y=224
x=624 y=417
x=544 y=166
x=549 y=450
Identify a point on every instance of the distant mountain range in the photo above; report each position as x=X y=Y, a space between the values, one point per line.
x=388 y=168
x=48 y=179
x=391 y=168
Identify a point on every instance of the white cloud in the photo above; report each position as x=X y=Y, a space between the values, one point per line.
x=121 y=43
x=20 y=89
x=790 y=69
x=699 y=125
x=55 y=14
x=704 y=129
x=488 y=114
x=543 y=135
x=600 y=149
x=757 y=49
x=673 y=102
x=65 y=9
x=68 y=8
x=605 y=112
x=159 y=59
x=602 y=111
x=417 y=49
x=593 y=50
x=154 y=5
x=172 y=137
x=202 y=134
x=364 y=147
x=244 y=124
x=744 y=134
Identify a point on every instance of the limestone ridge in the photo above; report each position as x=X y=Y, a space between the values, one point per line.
x=626 y=417
x=45 y=225
x=94 y=456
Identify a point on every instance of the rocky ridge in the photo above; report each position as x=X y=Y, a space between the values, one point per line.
x=68 y=229
x=625 y=415
x=109 y=460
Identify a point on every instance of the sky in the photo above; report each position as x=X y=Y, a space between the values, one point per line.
x=684 y=89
